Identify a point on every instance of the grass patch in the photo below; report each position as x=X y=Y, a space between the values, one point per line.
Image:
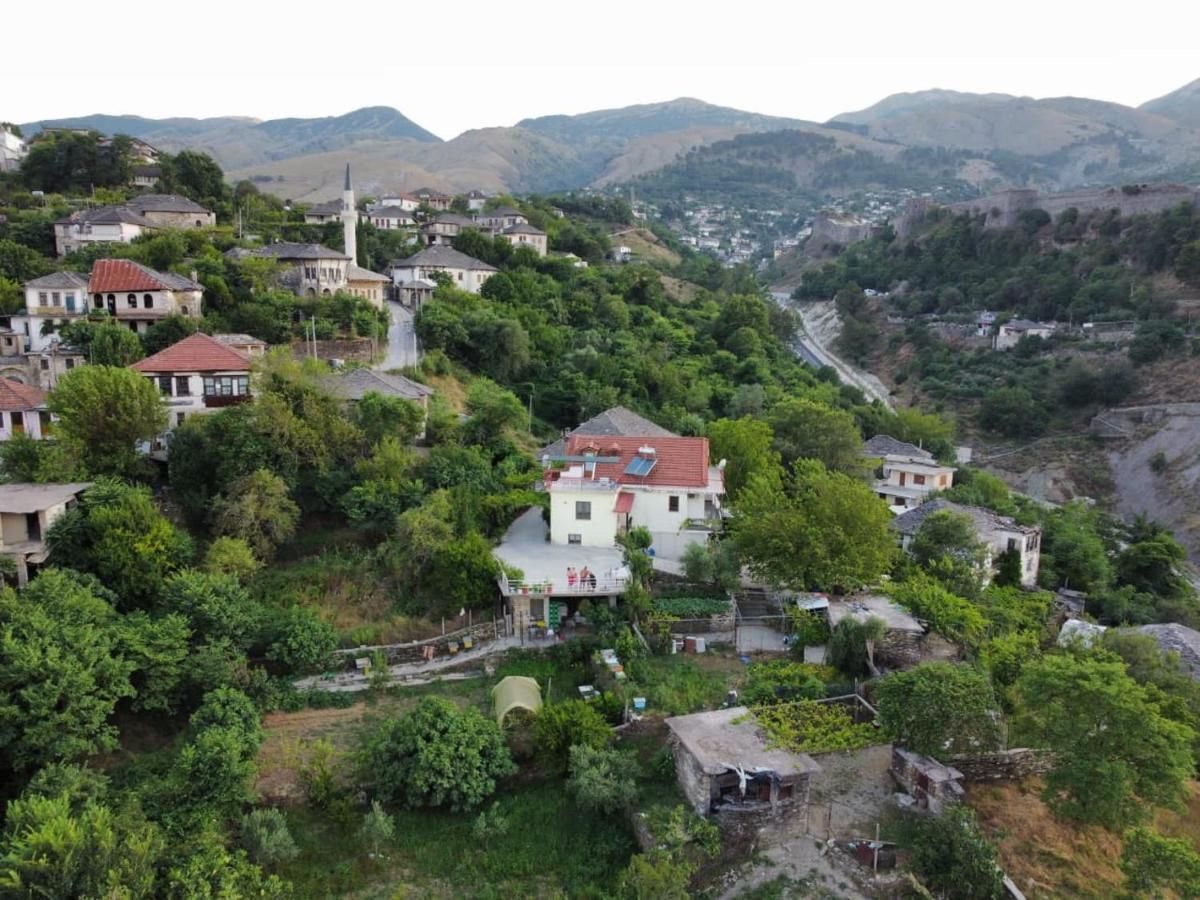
x=678 y=684
x=548 y=849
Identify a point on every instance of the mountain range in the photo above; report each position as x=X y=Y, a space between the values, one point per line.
x=981 y=140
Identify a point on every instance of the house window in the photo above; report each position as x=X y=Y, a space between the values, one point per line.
x=164 y=384
x=98 y=302
x=673 y=504
x=41 y=298
x=226 y=385
x=1012 y=544
x=574 y=538
x=70 y=364
x=147 y=302
x=45 y=364
x=918 y=479
x=583 y=510
x=131 y=301
x=179 y=417
x=786 y=791
x=183 y=387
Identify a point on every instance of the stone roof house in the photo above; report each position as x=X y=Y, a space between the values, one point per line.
x=998 y=533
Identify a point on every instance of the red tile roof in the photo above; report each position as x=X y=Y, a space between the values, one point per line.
x=15 y=396
x=123 y=275
x=195 y=353
x=681 y=461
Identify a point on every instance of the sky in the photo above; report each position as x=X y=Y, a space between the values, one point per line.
x=452 y=65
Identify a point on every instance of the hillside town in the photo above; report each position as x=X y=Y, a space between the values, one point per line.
x=658 y=502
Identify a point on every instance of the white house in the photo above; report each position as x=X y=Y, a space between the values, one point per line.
x=102 y=225
x=22 y=410
x=476 y=200
x=525 y=235
x=367 y=285
x=465 y=272
x=1008 y=334
x=138 y=296
x=310 y=269
x=908 y=474
x=390 y=218
x=998 y=533
x=444 y=227
x=352 y=385
x=195 y=375
x=500 y=218
x=405 y=202
x=54 y=300
x=320 y=213
x=26 y=513
x=434 y=199
x=13 y=150
x=603 y=486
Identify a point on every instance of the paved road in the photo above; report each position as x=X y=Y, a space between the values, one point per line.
x=402 y=349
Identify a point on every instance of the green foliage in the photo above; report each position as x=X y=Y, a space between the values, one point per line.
x=379 y=416
x=559 y=727
x=259 y=510
x=378 y=829
x=656 y=876
x=62 y=672
x=948 y=614
x=952 y=856
x=158 y=649
x=939 y=709
x=76 y=162
x=265 y=836
x=231 y=556
x=212 y=776
x=601 y=778
x=848 y=645
x=435 y=755
x=318 y=774
x=675 y=685
x=805 y=429
x=1012 y=412
x=216 y=607
x=105 y=411
x=821 y=530
x=207 y=868
x=947 y=546
x=1153 y=863
x=690 y=607
x=1073 y=552
x=114 y=345
x=1116 y=754
x=304 y=642
x=746 y=445
x=810 y=727
x=809 y=629
x=229 y=709
x=778 y=680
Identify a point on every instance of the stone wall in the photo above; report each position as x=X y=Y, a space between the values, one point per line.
x=361 y=350
x=898 y=649
x=482 y=633
x=1004 y=765
x=1003 y=208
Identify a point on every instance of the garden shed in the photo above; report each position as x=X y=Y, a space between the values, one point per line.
x=516 y=692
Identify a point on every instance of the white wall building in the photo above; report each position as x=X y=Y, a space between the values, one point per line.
x=23 y=410
x=1008 y=334
x=310 y=269
x=465 y=272
x=138 y=296
x=51 y=302
x=525 y=235
x=13 y=150
x=998 y=533
x=908 y=474
x=102 y=225
x=26 y=513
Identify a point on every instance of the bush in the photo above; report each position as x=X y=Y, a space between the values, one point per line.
x=1152 y=863
x=939 y=709
x=810 y=727
x=952 y=856
x=318 y=773
x=848 y=645
x=378 y=828
x=303 y=642
x=601 y=779
x=558 y=728
x=782 y=679
x=266 y=837
x=436 y=755
x=690 y=607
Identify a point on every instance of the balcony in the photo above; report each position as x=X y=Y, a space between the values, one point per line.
x=214 y=401
x=579 y=484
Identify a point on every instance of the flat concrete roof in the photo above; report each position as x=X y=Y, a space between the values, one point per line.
x=863 y=606
x=524 y=545
x=30 y=498
x=723 y=738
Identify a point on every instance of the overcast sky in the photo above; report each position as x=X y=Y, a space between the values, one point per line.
x=451 y=65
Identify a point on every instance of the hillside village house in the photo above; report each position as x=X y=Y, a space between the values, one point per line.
x=435 y=200
x=172 y=211
x=405 y=202
x=465 y=272
x=603 y=486
x=476 y=200
x=138 y=296
x=309 y=269
x=616 y=421
x=390 y=218
x=45 y=367
x=444 y=227
x=500 y=218
x=102 y=225
x=13 y=150
x=1010 y=333
x=524 y=235
x=52 y=300
x=908 y=474
x=354 y=384
x=26 y=513
x=250 y=347
x=22 y=410
x=145 y=176
x=320 y=213
x=196 y=375
x=998 y=533
x=367 y=285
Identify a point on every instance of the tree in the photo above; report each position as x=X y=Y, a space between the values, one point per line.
x=378 y=828
x=820 y=529
x=939 y=709
x=600 y=779
x=1012 y=412
x=952 y=856
x=265 y=836
x=230 y=709
x=808 y=430
x=1149 y=562
x=217 y=607
x=560 y=726
x=259 y=510
x=850 y=645
x=1116 y=755
x=61 y=671
x=19 y=263
x=495 y=413
x=208 y=869
x=158 y=649
x=304 y=642
x=1152 y=863
x=113 y=345
x=165 y=332
x=212 y=776
x=231 y=556
x=946 y=543
x=945 y=612
x=435 y=755
x=1073 y=553
x=379 y=417
x=746 y=446
x=656 y=875
x=105 y=411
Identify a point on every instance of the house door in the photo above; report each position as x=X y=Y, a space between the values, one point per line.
x=33 y=526
x=112 y=304
x=70 y=303
x=18 y=422
x=903 y=478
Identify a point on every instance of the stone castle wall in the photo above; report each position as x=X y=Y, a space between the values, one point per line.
x=1002 y=209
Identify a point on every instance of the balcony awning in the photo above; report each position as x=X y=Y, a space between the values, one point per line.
x=624 y=502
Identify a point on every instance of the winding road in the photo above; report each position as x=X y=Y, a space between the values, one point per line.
x=402 y=347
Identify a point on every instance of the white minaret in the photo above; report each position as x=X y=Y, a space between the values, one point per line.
x=350 y=219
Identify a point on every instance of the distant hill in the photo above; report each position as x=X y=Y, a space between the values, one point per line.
x=914 y=102
x=1182 y=106
x=238 y=142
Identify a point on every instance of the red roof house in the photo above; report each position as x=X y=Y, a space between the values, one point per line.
x=196 y=353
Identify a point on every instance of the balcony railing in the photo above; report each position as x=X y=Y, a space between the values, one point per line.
x=560 y=588
x=581 y=484
x=213 y=401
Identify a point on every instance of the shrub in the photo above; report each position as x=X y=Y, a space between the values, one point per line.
x=939 y=709
x=810 y=727
x=1152 y=862
x=782 y=679
x=266 y=837
x=600 y=778
x=303 y=642
x=952 y=856
x=378 y=828
x=318 y=773
x=558 y=728
x=690 y=607
x=848 y=645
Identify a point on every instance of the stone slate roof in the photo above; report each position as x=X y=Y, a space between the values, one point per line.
x=453 y=219
x=327 y=208
x=522 y=228
x=502 y=212
x=883 y=445
x=1025 y=325
x=289 y=250
x=165 y=203
x=59 y=280
x=107 y=215
x=358 y=273
x=1176 y=638
x=439 y=256
x=392 y=212
x=356 y=383
x=234 y=340
x=615 y=422
x=910 y=522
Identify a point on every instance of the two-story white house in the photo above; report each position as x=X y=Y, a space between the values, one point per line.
x=999 y=534
x=404 y=201
x=320 y=213
x=390 y=218
x=434 y=199
x=445 y=227
x=465 y=272
x=102 y=225
x=51 y=301
x=26 y=513
x=500 y=218
x=309 y=269
x=196 y=375
x=22 y=410
x=13 y=150
x=476 y=200
x=603 y=486
x=908 y=474
x=525 y=235
x=138 y=296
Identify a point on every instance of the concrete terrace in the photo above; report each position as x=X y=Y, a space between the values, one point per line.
x=525 y=545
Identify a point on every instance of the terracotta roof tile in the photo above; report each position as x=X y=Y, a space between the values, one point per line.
x=195 y=353
x=15 y=396
x=681 y=461
x=126 y=275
